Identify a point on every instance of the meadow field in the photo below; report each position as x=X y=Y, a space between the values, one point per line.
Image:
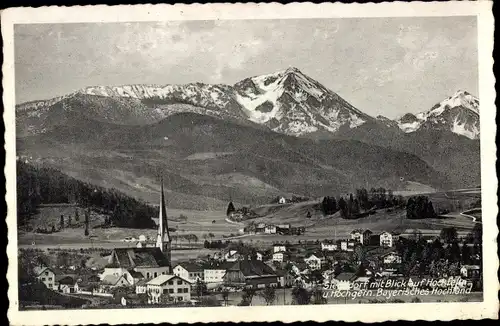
x=213 y=225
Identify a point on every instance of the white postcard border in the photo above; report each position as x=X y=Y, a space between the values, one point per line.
x=355 y=312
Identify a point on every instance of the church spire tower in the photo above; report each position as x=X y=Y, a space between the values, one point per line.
x=163 y=237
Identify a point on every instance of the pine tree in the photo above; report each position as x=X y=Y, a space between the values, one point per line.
x=61 y=222
x=355 y=206
x=333 y=205
x=230 y=209
x=87 y=222
x=77 y=216
x=324 y=206
x=343 y=207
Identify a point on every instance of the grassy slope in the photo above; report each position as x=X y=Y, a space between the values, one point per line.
x=456 y=157
x=318 y=227
x=261 y=166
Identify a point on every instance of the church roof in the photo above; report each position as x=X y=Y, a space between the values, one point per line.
x=162 y=218
x=138 y=257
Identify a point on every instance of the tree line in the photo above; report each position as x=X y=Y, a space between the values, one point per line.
x=359 y=205
x=218 y=244
x=44 y=185
x=420 y=257
x=420 y=207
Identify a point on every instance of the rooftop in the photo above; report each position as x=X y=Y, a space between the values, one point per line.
x=162 y=279
x=252 y=268
x=138 y=257
x=190 y=267
x=346 y=277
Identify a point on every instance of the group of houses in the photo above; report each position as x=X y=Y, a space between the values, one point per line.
x=148 y=269
x=281 y=229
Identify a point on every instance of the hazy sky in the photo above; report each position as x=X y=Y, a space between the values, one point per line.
x=385 y=66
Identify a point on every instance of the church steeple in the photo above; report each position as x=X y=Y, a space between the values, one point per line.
x=163 y=237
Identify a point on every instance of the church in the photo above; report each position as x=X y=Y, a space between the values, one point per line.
x=148 y=262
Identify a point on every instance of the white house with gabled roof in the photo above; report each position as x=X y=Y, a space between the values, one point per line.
x=168 y=288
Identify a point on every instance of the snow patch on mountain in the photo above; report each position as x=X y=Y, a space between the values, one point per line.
x=462 y=129
x=458 y=113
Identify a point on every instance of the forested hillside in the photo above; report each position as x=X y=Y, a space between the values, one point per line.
x=43 y=185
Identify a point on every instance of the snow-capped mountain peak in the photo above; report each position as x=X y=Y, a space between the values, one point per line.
x=291 y=102
x=458 y=113
x=286 y=101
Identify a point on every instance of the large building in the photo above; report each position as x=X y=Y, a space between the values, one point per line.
x=168 y=288
x=250 y=273
x=214 y=273
x=150 y=262
x=46 y=276
x=189 y=271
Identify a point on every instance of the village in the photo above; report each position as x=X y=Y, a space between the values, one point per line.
x=238 y=273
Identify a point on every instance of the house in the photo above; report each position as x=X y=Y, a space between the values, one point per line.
x=214 y=273
x=280 y=257
x=282 y=200
x=391 y=258
x=260 y=228
x=429 y=238
x=328 y=246
x=45 y=275
x=270 y=229
x=133 y=276
x=150 y=262
x=279 y=247
x=219 y=256
x=65 y=284
x=189 y=271
x=299 y=268
x=283 y=228
x=168 y=288
x=387 y=272
x=344 y=281
x=141 y=286
x=314 y=261
x=285 y=278
x=236 y=216
x=361 y=236
x=259 y=255
x=232 y=256
x=88 y=284
x=347 y=244
x=386 y=239
x=470 y=271
x=250 y=273
x=113 y=281
x=375 y=240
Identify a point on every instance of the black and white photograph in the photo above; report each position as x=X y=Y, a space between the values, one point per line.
x=248 y=162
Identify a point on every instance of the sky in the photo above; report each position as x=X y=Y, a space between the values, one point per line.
x=382 y=66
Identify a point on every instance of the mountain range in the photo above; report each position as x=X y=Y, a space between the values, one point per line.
x=277 y=134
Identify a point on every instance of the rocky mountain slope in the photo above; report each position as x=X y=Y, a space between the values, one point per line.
x=241 y=139
x=458 y=113
x=287 y=101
